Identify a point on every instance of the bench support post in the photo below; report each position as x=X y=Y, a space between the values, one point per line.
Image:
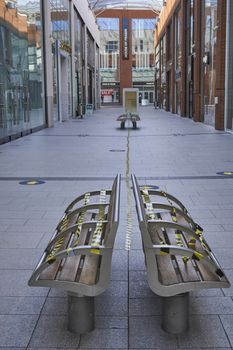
x=81 y=313
x=175 y=313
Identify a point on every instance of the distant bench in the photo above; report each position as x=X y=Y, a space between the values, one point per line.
x=78 y=256
x=178 y=259
x=133 y=118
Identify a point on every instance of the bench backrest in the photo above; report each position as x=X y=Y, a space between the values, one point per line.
x=141 y=212
x=113 y=213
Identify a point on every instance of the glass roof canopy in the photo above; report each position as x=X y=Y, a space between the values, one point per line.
x=154 y=5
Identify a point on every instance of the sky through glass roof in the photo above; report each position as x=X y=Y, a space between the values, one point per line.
x=155 y=5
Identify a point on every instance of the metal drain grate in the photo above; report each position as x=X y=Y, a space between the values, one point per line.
x=117 y=150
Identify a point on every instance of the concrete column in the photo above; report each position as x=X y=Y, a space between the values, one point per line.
x=197 y=89
x=95 y=81
x=167 y=73
x=73 y=82
x=220 y=65
x=47 y=63
x=227 y=125
x=85 y=64
x=173 y=81
x=183 y=59
x=125 y=64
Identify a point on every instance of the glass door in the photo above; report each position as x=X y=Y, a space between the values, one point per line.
x=189 y=58
x=209 y=59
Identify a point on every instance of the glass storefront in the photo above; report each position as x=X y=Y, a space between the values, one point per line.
x=178 y=55
x=143 y=58
x=97 y=81
x=61 y=50
x=90 y=68
x=20 y=67
x=209 y=60
x=109 y=59
x=229 y=107
x=157 y=76
x=79 y=56
x=163 y=72
x=190 y=58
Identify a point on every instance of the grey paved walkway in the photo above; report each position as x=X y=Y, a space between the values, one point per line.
x=174 y=153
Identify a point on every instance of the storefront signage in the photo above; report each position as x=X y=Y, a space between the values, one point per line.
x=125 y=41
x=110 y=84
x=107 y=92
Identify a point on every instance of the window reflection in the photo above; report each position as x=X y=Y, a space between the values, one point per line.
x=61 y=50
x=178 y=55
x=109 y=59
x=143 y=49
x=20 y=66
x=143 y=58
x=209 y=60
x=79 y=55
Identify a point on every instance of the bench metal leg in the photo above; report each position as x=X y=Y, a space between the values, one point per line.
x=175 y=313
x=122 y=125
x=81 y=314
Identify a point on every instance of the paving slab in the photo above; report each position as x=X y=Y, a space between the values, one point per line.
x=106 y=339
x=21 y=305
x=51 y=331
x=14 y=284
x=29 y=216
x=146 y=333
x=16 y=330
x=205 y=332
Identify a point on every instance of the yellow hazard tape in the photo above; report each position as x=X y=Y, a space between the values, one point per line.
x=97 y=235
x=56 y=248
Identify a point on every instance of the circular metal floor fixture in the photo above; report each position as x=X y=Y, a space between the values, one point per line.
x=225 y=173
x=32 y=182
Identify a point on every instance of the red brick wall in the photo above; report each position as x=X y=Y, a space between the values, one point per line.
x=126 y=65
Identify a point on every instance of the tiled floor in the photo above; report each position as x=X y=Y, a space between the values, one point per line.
x=176 y=154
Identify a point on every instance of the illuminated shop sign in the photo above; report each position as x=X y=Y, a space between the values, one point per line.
x=125 y=33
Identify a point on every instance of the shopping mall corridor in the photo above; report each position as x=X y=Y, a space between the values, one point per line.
x=176 y=154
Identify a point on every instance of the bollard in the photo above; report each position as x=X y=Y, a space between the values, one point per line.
x=81 y=313
x=175 y=313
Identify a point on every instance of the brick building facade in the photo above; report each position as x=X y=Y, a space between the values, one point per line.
x=190 y=44
x=124 y=76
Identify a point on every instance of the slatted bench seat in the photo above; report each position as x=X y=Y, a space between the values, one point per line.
x=178 y=258
x=133 y=118
x=78 y=256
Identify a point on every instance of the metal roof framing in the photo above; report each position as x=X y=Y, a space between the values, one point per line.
x=154 y=5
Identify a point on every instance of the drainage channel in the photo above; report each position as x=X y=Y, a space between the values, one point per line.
x=128 y=237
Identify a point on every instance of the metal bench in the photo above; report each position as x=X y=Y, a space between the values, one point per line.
x=178 y=259
x=133 y=118
x=78 y=256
